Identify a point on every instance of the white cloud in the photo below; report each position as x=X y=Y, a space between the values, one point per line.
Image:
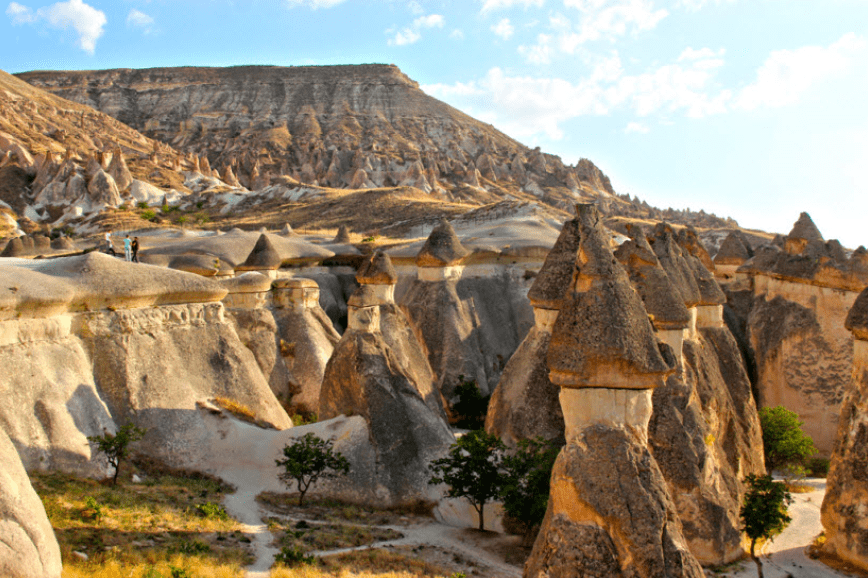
x=315 y=4
x=138 y=19
x=457 y=34
x=489 y=5
x=611 y=19
x=787 y=74
x=415 y=7
x=694 y=5
x=636 y=127
x=504 y=29
x=20 y=14
x=87 y=21
x=539 y=53
x=430 y=21
x=412 y=34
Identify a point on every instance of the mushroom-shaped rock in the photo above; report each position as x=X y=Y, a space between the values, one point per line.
x=733 y=251
x=673 y=262
x=119 y=171
x=204 y=265
x=14 y=248
x=377 y=270
x=343 y=235
x=102 y=282
x=247 y=291
x=103 y=189
x=553 y=280
x=442 y=248
x=62 y=244
x=662 y=302
x=803 y=233
x=263 y=257
x=29 y=548
x=690 y=242
x=602 y=337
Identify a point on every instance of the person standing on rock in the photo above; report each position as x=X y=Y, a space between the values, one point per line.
x=135 y=247
x=108 y=243
x=128 y=248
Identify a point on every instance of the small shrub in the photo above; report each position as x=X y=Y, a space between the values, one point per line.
x=710 y=439
x=212 y=511
x=122 y=207
x=200 y=204
x=236 y=408
x=304 y=418
x=818 y=467
x=294 y=556
x=526 y=483
x=178 y=572
x=92 y=509
x=764 y=511
x=784 y=441
x=194 y=547
x=116 y=447
x=181 y=220
x=142 y=204
x=148 y=215
x=472 y=406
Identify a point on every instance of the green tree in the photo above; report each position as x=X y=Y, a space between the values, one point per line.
x=472 y=470
x=116 y=447
x=764 y=511
x=471 y=408
x=526 y=482
x=308 y=460
x=784 y=442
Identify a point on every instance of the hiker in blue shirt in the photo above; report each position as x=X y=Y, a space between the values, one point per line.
x=128 y=249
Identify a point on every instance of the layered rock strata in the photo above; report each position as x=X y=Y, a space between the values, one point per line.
x=378 y=371
x=604 y=356
x=845 y=506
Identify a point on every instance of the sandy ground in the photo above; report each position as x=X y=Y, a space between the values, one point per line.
x=785 y=556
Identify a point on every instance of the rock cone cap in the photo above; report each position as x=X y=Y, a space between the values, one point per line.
x=804 y=228
x=263 y=256
x=343 y=235
x=602 y=337
x=377 y=270
x=553 y=280
x=442 y=249
x=676 y=266
x=733 y=251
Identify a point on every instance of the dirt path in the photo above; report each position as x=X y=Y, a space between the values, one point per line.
x=785 y=556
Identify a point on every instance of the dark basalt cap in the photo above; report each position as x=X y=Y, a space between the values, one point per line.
x=343 y=235
x=442 y=249
x=673 y=262
x=263 y=256
x=377 y=270
x=733 y=251
x=689 y=240
x=662 y=302
x=857 y=318
x=602 y=337
x=553 y=280
x=805 y=229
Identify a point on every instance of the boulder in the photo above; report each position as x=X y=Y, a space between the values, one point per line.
x=103 y=189
x=29 y=548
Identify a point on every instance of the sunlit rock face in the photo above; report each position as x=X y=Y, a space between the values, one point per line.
x=378 y=371
x=591 y=527
x=845 y=507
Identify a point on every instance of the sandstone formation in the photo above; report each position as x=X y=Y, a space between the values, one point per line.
x=263 y=257
x=843 y=513
x=525 y=403
x=28 y=548
x=605 y=475
x=377 y=371
x=799 y=299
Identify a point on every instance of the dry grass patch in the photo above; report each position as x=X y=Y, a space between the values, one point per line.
x=366 y=564
x=236 y=408
x=132 y=529
x=330 y=536
x=336 y=511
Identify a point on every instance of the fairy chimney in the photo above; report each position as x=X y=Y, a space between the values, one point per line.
x=442 y=256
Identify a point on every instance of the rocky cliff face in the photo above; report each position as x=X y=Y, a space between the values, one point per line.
x=336 y=126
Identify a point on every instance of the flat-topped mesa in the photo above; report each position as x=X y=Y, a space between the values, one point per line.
x=847 y=487
x=249 y=290
x=804 y=232
x=295 y=293
x=602 y=337
x=668 y=314
x=263 y=258
x=733 y=253
x=553 y=280
x=343 y=235
x=442 y=255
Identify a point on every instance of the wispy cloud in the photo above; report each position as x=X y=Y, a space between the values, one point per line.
x=504 y=29
x=413 y=33
x=694 y=5
x=636 y=127
x=315 y=4
x=140 y=20
x=87 y=21
x=787 y=74
x=490 y=5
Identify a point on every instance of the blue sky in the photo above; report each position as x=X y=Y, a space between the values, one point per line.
x=755 y=109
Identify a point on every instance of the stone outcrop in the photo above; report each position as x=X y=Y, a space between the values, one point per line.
x=525 y=403
x=28 y=548
x=610 y=512
x=378 y=371
x=263 y=257
x=843 y=513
